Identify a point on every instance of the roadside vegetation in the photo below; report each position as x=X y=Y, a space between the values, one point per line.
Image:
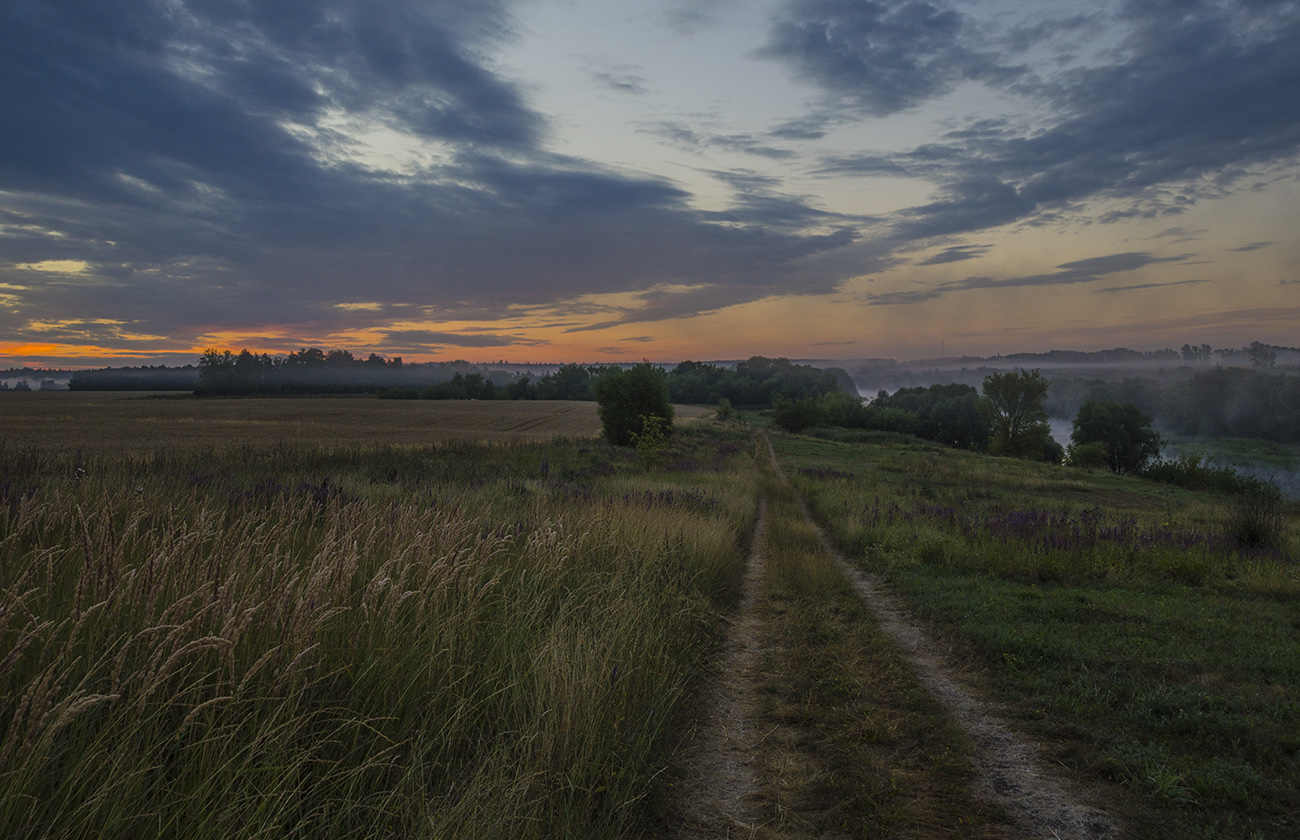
x=1135 y=628
x=453 y=641
x=856 y=747
x=461 y=639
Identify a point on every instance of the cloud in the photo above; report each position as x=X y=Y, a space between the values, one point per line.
x=1198 y=96
x=688 y=17
x=620 y=78
x=956 y=253
x=1141 y=286
x=202 y=160
x=1254 y=246
x=431 y=339
x=881 y=57
x=683 y=136
x=56 y=266
x=1067 y=274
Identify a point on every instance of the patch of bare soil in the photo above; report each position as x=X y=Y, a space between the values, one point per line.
x=718 y=794
x=1040 y=802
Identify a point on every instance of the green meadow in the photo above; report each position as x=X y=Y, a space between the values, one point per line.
x=1117 y=620
x=454 y=639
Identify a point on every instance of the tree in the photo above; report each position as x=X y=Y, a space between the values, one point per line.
x=946 y=413
x=1261 y=355
x=216 y=372
x=1014 y=403
x=629 y=400
x=570 y=382
x=1122 y=428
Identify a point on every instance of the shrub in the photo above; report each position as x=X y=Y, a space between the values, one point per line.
x=1256 y=520
x=796 y=415
x=1092 y=455
x=627 y=399
x=1193 y=472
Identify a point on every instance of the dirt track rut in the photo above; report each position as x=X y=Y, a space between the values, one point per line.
x=719 y=790
x=1038 y=800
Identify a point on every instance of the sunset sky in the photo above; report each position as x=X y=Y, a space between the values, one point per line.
x=588 y=180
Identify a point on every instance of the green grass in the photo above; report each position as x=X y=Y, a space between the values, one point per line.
x=856 y=746
x=1169 y=673
x=469 y=640
x=445 y=641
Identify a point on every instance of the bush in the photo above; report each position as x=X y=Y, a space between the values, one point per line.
x=1088 y=455
x=1192 y=471
x=628 y=399
x=796 y=415
x=1124 y=430
x=1256 y=520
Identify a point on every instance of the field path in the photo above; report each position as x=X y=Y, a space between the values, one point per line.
x=719 y=790
x=1039 y=801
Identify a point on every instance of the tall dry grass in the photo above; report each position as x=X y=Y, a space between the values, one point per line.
x=488 y=658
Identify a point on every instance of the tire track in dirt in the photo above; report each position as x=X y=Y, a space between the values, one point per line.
x=1040 y=803
x=719 y=790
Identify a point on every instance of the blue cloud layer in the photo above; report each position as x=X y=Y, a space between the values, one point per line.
x=190 y=153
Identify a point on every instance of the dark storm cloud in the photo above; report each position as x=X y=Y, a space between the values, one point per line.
x=1197 y=95
x=1067 y=274
x=882 y=57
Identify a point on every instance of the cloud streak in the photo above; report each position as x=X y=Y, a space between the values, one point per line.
x=1067 y=274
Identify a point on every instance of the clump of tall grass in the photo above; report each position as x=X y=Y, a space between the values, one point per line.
x=795 y=560
x=1257 y=520
x=256 y=653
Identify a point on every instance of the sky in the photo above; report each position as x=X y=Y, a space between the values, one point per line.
x=605 y=180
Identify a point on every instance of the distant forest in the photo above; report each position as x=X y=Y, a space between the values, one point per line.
x=1196 y=391
x=755 y=382
x=873 y=375
x=1223 y=402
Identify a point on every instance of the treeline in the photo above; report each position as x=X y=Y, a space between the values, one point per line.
x=146 y=378
x=757 y=382
x=971 y=370
x=310 y=370
x=949 y=414
x=1223 y=402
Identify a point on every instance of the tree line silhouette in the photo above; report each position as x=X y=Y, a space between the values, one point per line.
x=757 y=382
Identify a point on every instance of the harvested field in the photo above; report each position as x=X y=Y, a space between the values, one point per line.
x=130 y=421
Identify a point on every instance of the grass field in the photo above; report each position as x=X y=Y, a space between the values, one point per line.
x=1116 y=618
x=374 y=625
x=107 y=420
x=298 y=640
